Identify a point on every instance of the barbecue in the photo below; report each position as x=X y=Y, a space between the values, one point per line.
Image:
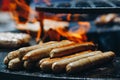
x=59 y=63
x=66 y=39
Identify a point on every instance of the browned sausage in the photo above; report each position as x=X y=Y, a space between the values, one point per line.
x=44 y=52
x=15 y=64
x=29 y=65
x=60 y=66
x=10 y=56
x=105 y=19
x=63 y=51
x=88 y=62
x=6 y=61
x=24 y=50
x=46 y=64
x=41 y=61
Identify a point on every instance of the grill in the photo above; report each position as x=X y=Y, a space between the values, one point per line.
x=105 y=37
x=79 y=6
x=110 y=71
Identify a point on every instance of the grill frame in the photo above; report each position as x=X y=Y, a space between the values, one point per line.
x=80 y=10
x=73 y=9
x=97 y=73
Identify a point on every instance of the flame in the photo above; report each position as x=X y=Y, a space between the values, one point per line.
x=78 y=35
x=22 y=14
x=69 y=17
x=21 y=10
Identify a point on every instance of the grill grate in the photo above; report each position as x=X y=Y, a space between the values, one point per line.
x=79 y=6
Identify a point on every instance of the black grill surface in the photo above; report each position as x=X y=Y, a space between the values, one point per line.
x=79 y=6
x=108 y=71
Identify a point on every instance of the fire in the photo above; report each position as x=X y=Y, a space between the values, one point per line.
x=78 y=35
x=56 y=30
x=69 y=17
x=22 y=11
x=19 y=9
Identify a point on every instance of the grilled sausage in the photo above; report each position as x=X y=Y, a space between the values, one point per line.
x=41 y=61
x=6 y=61
x=29 y=65
x=10 y=56
x=46 y=64
x=88 y=62
x=13 y=40
x=59 y=66
x=63 y=51
x=15 y=64
x=105 y=19
x=44 y=52
x=24 y=50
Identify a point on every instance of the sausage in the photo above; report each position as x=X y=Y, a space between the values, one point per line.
x=46 y=64
x=13 y=40
x=29 y=65
x=10 y=56
x=6 y=61
x=41 y=61
x=24 y=50
x=105 y=19
x=90 y=61
x=15 y=64
x=44 y=52
x=59 y=66
x=63 y=51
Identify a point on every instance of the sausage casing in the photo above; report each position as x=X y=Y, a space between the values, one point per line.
x=88 y=62
x=67 y=50
x=61 y=65
x=46 y=64
x=15 y=64
x=44 y=52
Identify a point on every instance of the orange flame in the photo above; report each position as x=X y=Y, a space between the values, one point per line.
x=69 y=17
x=20 y=9
x=20 y=13
x=78 y=35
